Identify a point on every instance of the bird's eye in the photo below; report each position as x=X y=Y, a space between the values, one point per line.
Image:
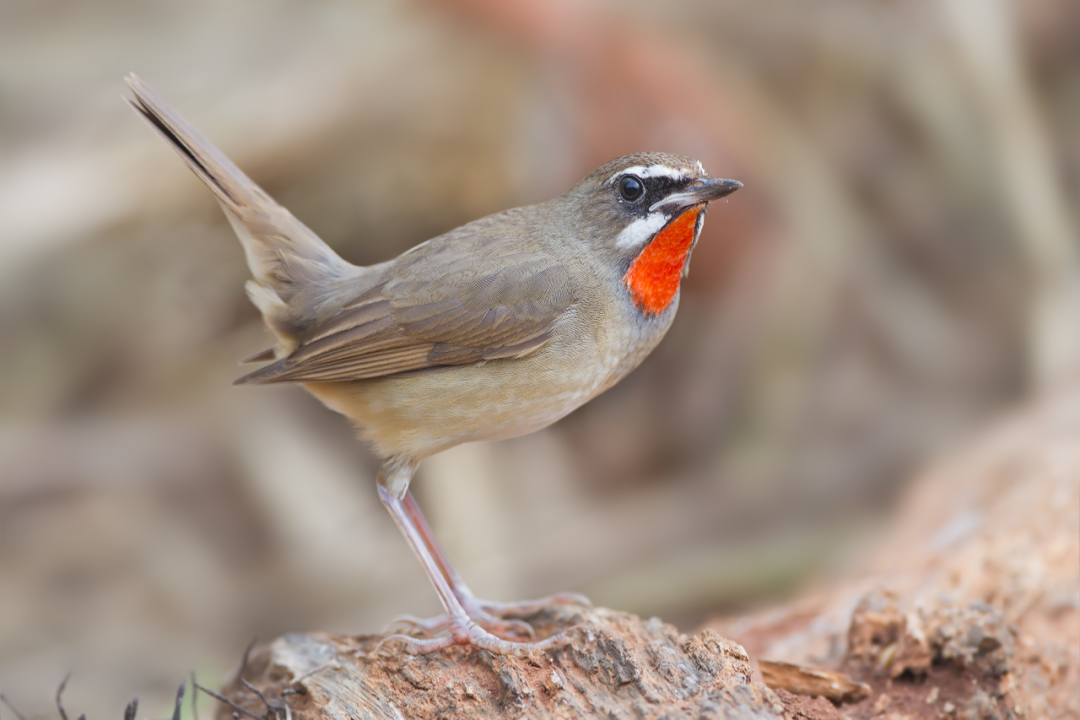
x=631 y=188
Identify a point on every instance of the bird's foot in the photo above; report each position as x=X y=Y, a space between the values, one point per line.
x=490 y=623
x=463 y=631
x=495 y=617
x=525 y=608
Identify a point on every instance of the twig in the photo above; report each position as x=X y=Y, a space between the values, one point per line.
x=59 y=692
x=270 y=707
x=11 y=707
x=179 y=701
x=244 y=660
x=230 y=703
x=194 y=698
x=328 y=663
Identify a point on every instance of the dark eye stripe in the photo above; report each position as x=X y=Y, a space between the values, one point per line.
x=661 y=186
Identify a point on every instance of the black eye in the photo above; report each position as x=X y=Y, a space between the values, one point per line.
x=631 y=188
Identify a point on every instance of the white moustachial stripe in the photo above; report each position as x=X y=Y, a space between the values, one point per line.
x=638 y=232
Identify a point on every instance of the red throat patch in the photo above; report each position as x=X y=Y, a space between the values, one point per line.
x=653 y=277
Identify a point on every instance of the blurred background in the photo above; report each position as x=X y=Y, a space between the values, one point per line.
x=900 y=268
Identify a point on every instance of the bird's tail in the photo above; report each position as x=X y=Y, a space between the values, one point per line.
x=288 y=261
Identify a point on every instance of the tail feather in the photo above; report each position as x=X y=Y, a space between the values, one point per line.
x=219 y=173
x=285 y=257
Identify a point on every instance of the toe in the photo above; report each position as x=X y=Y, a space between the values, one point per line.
x=426 y=626
x=531 y=607
x=416 y=646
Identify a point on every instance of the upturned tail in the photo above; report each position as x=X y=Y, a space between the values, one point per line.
x=288 y=261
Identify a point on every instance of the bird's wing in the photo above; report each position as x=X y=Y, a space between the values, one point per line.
x=453 y=301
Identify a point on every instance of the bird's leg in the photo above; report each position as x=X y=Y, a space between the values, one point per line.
x=462 y=630
x=472 y=611
x=485 y=612
x=473 y=607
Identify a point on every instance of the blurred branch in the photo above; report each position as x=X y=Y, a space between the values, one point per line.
x=12 y=708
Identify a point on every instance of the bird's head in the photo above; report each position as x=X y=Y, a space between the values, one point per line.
x=644 y=213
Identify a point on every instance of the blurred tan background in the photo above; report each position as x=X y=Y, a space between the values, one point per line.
x=900 y=268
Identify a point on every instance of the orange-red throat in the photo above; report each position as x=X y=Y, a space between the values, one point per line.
x=653 y=277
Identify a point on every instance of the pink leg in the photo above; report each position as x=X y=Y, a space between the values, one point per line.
x=468 y=602
x=489 y=615
x=463 y=593
x=462 y=629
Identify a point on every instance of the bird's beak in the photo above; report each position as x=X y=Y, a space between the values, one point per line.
x=701 y=192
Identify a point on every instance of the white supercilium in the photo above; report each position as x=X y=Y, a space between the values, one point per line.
x=651 y=171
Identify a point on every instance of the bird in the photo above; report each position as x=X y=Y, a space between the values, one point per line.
x=492 y=330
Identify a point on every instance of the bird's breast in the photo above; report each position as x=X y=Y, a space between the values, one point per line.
x=593 y=346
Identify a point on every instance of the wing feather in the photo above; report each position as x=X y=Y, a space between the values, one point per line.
x=465 y=300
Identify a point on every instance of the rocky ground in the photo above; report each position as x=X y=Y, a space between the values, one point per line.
x=971 y=610
x=972 y=607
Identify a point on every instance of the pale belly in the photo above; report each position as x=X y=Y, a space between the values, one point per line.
x=415 y=416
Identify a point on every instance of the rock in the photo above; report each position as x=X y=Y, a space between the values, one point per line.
x=616 y=666
x=974 y=636
x=970 y=608
x=801 y=707
x=913 y=651
x=875 y=627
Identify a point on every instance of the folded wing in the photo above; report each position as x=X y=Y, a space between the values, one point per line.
x=454 y=301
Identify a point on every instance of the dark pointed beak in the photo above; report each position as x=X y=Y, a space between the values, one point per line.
x=701 y=192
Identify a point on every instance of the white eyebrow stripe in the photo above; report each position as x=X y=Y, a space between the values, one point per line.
x=652 y=171
x=640 y=231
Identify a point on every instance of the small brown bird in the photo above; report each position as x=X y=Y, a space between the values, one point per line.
x=492 y=330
